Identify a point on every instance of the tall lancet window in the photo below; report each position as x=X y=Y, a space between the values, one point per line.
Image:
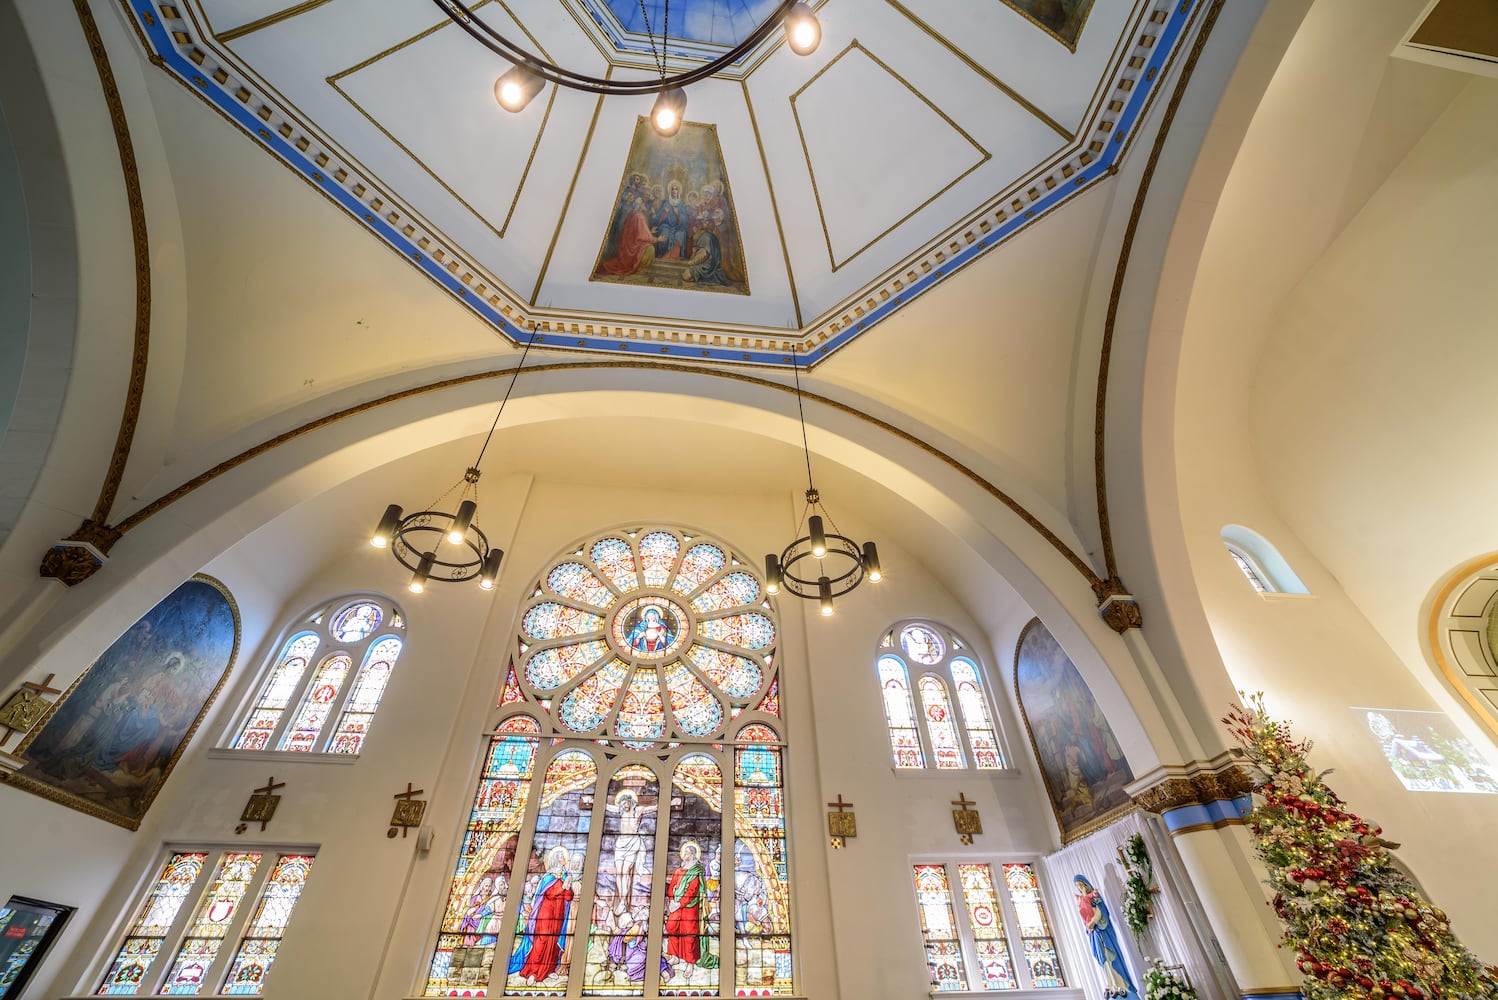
x=628 y=833
x=943 y=720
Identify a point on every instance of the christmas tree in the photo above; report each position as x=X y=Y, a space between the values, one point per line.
x=1360 y=927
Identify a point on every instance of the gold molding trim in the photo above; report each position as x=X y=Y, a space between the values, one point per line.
x=1099 y=426
x=63 y=798
x=1092 y=825
x=1456 y=678
x=992 y=80
x=172 y=496
x=1221 y=824
x=556 y=234
x=535 y=145
x=1070 y=46
x=251 y=27
x=764 y=162
x=812 y=174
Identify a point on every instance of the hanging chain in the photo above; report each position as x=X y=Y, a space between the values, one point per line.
x=659 y=56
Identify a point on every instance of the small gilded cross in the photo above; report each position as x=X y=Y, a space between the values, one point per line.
x=841 y=824
x=967 y=823
x=26 y=707
x=408 y=811
x=261 y=807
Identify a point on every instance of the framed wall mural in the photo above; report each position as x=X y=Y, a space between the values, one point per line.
x=27 y=929
x=107 y=746
x=672 y=224
x=1061 y=19
x=1084 y=770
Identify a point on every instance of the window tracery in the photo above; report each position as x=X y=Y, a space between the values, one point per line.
x=640 y=721
x=940 y=735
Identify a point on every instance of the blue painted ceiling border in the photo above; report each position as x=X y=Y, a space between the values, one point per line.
x=164 y=53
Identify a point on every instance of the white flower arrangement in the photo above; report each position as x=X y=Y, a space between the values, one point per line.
x=1167 y=982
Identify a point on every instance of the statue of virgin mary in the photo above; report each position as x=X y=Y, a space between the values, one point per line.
x=1104 y=940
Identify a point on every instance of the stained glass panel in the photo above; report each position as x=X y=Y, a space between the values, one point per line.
x=157 y=914
x=737 y=676
x=699 y=565
x=939 y=928
x=980 y=732
x=257 y=948
x=511 y=693
x=770 y=703
x=751 y=631
x=658 y=552
x=550 y=620
x=922 y=644
x=540 y=961
x=941 y=729
x=697 y=711
x=587 y=705
x=642 y=717
x=1034 y=927
x=689 y=953
x=364 y=697
x=617 y=561
x=762 y=919
x=650 y=628
x=210 y=923
x=317 y=702
x=282 y=684
x=987 y=922
x=481 y=880
x=576 y=582
x=551 y=668
x=732 y=591
x=356 y=622
x=899 y=712
x=620 y=931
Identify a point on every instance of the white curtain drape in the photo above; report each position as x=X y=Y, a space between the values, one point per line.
x=1177 y=933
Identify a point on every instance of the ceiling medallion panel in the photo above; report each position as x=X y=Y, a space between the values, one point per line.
x=520 y=254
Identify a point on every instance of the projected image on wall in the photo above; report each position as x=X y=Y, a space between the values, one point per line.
x=1427 y=752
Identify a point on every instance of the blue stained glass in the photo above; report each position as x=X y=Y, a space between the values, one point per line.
x=551 y=668
x=588 y=704
x=577 y=582
x=751 y=631
x=617 y=561
x=697 y=712
x=699 y=565
x=658 y=552
x=719 y=22
x=733 y=590
x=739 y=677
x=550 y=620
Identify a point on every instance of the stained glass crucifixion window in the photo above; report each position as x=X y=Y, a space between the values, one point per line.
x=628 y=833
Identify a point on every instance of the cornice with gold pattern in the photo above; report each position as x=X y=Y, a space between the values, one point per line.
x=1195 y=789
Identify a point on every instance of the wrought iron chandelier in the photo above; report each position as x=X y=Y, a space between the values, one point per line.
x=839 y=564
x=417 y=540
x=515 y=89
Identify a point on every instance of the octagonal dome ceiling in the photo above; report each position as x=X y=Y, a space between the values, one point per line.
x=806 y=198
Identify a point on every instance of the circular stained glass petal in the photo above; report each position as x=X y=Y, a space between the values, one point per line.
x=550 y=620
x=650 y=628
x=551 y=668
x=750 y=631
x=922 y=644
x=701 y=563
x=575 y=581
x=356 y=622
x=641 y=720
x=739 y=677
x=586 y=706
x=734 y=590
x=658 y=552
x=697 y=712
x=617 y=561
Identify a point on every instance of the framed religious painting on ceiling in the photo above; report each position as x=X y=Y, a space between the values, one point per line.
x=1084 y=769
x=109 y=743
x=672 y=224
x=1061 y=19
x=27 y=929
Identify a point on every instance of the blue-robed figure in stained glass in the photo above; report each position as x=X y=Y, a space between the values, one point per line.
x=545 y=937
x=651 y=633
x=1103 y=938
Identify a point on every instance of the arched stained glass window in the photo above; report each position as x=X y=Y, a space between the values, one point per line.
x=646 y=676
x=937 y=735
x=346 y=633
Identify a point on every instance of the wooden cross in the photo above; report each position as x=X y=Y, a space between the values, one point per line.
x=261 y=807
x=26 y=707
x=408 y=811
x=967 y=823
x=841 y=824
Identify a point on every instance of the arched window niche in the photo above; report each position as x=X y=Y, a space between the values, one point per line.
x=936 y=705
x=1260 y=562
x=1462 y=637
x=627 y=832
x=322 y=685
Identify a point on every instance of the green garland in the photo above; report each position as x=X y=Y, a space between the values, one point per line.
x=1139 y=874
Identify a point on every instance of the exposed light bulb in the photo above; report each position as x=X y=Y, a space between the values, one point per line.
x=670 y=107
x=665 y=119
x=510 y=93
x=802 y=29
x=485 y=584
x=515 y=89
x=416 y=587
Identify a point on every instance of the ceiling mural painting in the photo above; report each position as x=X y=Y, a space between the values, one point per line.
x=521 y=217
x=673 y=224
